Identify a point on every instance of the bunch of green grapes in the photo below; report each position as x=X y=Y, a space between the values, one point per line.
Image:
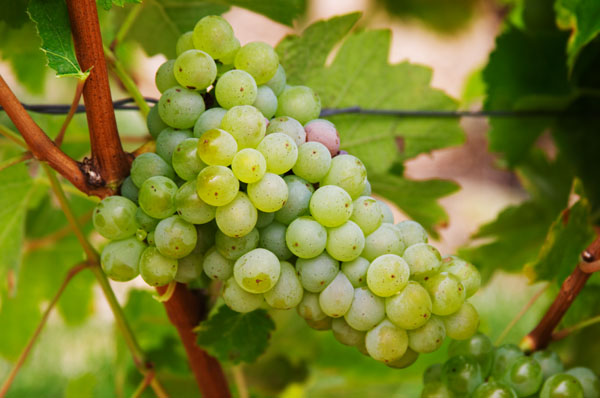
x=477 y=369
x=255 y=192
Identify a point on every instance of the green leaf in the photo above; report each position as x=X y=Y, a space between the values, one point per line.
x=582 y=17
x=107 y=4
x=52 y=21
x=236 y=337
x=284 y=11
x=14 y=13
x=82 y=386
x=147 y=318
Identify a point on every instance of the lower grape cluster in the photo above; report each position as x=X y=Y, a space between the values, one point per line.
x=274 y=210
x=477 y=369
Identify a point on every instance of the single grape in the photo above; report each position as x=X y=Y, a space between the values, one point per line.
x=549 y=361
x=347 y=172
x=462 y=374
x=216 y=185
x=288 y=126
x=318 y=272
x=238 y=217
x=180 y=107
x=331 y=206
x=429 y=337
x=386 y=342
x=154 y=122
x=336 y=298
x=141 y=234
x=167 y=141
x=466 y=272
x=494 y=389
x=210 y=119
x=206 y=236
x=387 y=275
x=114 y=217
x=503 y=358
x=447 y=293
x=384 y=240
x=588 y=379
x=190 y=207
x=269 y=194
x=411 y=232
x=405 y=360
x=299 y=102
x=185 y=160
x=524 y=376
x=266 y=101
x=233 y=248
x=367 y=214
x=238 y=299
x=259 y=59
x=150 y=238
x=287 y=292
x=249 y=165
x=175 y=237
x=189 y=268
x=184 y=43
x=165 y=78
x=216 y=266
x=356 y=271
x=277 y=82
x=305 y=237
x=388 y=214
x=463 y=323
x=346 y=242
x=157 y=197
x=214 y=35
x=309 y=307
x=479 y=346
x=324 y=132
x=195 y=70
x=345 y=334
x=279 y=151
x=562 y=385
x=323 y=324
x=217 y=147
x=411 y=308
x=145 y=222
x=149 y=165
x=436 y=389
x=235 y=88
x=120 y=259
x=272 y=238
x=246 y=124
x=264 y=219
x=257 y=271
x=433 y=374
x=299 y=194
x=366 y=311
x=156 y=269
x=423 y=259
x=229 y=57
x=313 y=162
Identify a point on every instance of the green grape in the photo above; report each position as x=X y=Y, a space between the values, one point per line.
x=313 y=162
x=463 y=323
x=272 y=238
x=190 y=207
x=305 y=237
x=466 y=272
x=347 y=172
x=185 y=159
x=217 y=147
x=405 y=360
x=165 y=78
x=238 y=217
x=184 y=43
x=269 y=194
x=384 y=240
x=257 y=271
x=388 y=214
x=366 y=311
x=206 y=236
x=386 y=342
x=168 y=140
x=346 y=242
x=287 y=292
x=154 y=122
x=411 y=232
x=279 y=151
x=238 y=299
x=433 y=374
x=323 y=324
x=524 y=376
x=216 y=185
x=236 y=88
x=367 y=214
x=264 y=219
x=309 y=307
x=141 y=234
x=233 y=248
x=423 y=259
x=214 y=35
x=562 y=385
x=588 y=379
x=180 y=107
x=299 y=194
x=447 y=293
x=318 y=272
x=114 y=217
x=356 y=271
x=336 y=298
x=549 y=361
x=299 y=102
x=494 y=389
x=387 y=275
x=277 y=82
x=429 y=337
x=216 y=266
x=229 y=57
x=436 y=389
x=246 y=124
x=259 y=59
x=462 y=374
x=120 y=259
x=156 y=269
x=503 y=358
x=411 y=308
x=324 y=132
x=210 y=119
x=157 y=197
x=345 y=334
x=290 y=127
x=149 y=165
x=367 y=191
x=479 y=346
x=195 y=70
x=146 y=222
x=150 y=238
x=189 y=268
x=175 y=237
x=331 y=206
x=266 y=101
x=249 y=165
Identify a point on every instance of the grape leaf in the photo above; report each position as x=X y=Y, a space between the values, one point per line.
x=284 y=11
x=582 y=17
x=13 y=12
x=52 y=22
x=107 y=4
x=147 y=318
x=236 y=337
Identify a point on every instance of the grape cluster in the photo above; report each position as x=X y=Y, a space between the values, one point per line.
x=254 y=192
x=477 y=369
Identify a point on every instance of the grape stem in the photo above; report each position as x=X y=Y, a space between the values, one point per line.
x=126 y=25
x=240 y=381
x=561 y=334
x=15 y=160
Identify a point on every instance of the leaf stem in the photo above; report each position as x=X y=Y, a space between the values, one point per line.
x=126 y=25
x=11 y=135
x=76 y=98
x=240 y=381
x=561 y=334
x=144 y=384
x=15 y=160
x=50 y=239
